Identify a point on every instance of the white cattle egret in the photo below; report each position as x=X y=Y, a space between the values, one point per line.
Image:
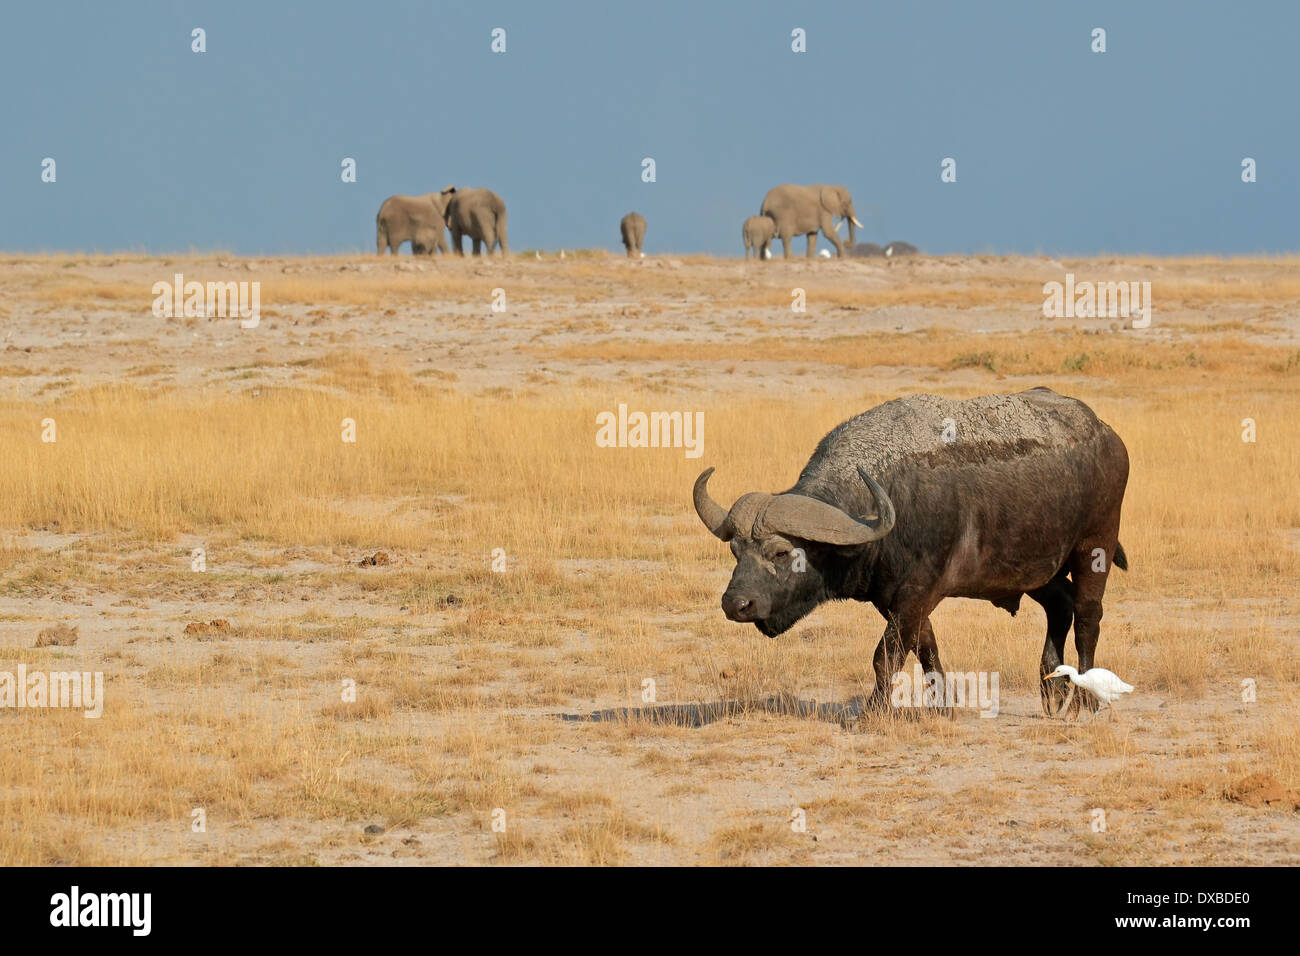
x=1105 y=685
x=767 y=253
x=824 y=253
x=538 y=254
x=561 y=253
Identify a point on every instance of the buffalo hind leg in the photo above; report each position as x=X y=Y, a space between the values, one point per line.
x=1090 y=568
x=1057 y=599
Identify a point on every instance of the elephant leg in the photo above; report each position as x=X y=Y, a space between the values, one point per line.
x=477 y=243
x=458 y=242
x=787 y=240
x=812 y=244
x=832 y=234
x=484 y=231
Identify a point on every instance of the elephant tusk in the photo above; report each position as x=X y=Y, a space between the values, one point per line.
x=856 y=223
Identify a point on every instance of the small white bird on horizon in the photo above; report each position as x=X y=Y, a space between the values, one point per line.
x=824 y=253
x=1105 y=685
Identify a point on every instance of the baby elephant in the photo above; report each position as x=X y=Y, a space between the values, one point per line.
x=758 y=234
x=632 y=228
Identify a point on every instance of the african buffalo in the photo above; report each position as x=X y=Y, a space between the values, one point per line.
x=924 y=498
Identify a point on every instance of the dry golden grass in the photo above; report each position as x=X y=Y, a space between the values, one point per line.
x=367 y=281
x=460 y=671
x=1121 y=359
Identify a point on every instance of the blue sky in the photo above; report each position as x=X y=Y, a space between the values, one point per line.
x=1059 y=150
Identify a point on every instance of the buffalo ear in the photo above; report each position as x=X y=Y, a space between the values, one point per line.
x=816 y=520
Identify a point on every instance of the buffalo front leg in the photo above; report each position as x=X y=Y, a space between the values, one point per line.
x=927 y=652
x=885 y=662
x=900 y=638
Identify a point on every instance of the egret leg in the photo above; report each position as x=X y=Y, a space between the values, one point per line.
x=1064 y=710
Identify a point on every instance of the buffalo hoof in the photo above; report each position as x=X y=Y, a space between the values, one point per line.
x=876 y=704
x=1056 y=696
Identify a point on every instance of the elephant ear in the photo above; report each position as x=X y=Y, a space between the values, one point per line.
x=830 y=199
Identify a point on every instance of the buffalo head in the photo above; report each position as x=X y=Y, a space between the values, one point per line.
x=785 y=546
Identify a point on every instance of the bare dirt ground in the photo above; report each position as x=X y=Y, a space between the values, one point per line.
x=528 y=579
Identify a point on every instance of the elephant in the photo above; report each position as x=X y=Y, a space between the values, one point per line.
x=632 y=229
x=481 y=215
x=803 y=210
x=757 y=235
x=417 y=218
